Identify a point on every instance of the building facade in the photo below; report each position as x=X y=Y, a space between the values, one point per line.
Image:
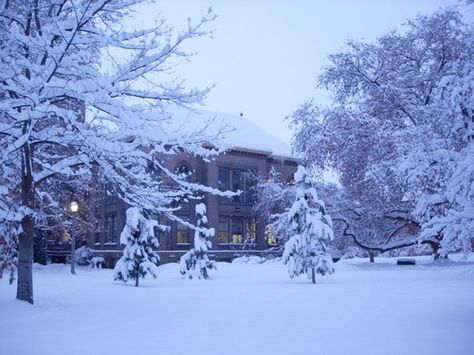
x=238 y=229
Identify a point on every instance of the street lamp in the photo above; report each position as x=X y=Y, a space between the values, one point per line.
x=74 y=206
x=74 y=209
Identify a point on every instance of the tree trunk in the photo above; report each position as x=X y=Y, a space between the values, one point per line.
x=136 y=281
x=371 y=256
x=313 y=275
x=436 y=254
x=24 y=290
x=25 y=246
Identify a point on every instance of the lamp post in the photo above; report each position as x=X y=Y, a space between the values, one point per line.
x=74 y=209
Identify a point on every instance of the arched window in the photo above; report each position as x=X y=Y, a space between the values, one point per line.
x=184 y=168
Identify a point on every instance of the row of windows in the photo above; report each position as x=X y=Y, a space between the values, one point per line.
x=229 y=179
x=236 y=230
x=230 y=230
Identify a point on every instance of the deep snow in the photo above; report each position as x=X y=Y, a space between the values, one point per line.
x=246 y=308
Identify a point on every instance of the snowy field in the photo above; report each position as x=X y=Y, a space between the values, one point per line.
x=246 y=308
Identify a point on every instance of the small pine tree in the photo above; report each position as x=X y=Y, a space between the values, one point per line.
x=305 y=251
x=195 y=263
x=139 y=257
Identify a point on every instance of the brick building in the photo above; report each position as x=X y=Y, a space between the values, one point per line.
x=238 y=229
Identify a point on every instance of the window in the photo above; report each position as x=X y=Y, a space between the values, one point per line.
x=270 y=236
x=250 y=230
x=250 y=183
x=162 y=230
x=97 y=238
x=97 y=232
x=182 y=235
x=183 y=168
x=224 y=180
x=110 y=197
x=110 y=225
x=164 y=234
x=223 y=230
x=237 y=180
x=237 y=230
x=237 y=184
x=234 y=230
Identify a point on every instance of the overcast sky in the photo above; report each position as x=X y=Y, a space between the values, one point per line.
x=265 y=55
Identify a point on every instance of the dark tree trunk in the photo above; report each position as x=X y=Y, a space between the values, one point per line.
x=136 y=281
x=313 y=275
x=25 y=245
x=25 y=261
x=371 y=256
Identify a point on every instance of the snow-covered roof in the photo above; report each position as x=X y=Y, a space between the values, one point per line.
x=234 y=132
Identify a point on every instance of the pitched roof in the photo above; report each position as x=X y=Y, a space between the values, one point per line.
x=234 y=132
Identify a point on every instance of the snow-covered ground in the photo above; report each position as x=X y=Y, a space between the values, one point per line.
x=246 y=308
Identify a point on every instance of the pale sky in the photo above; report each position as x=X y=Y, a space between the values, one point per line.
x=265 y=55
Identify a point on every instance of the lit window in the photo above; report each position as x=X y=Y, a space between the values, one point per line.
x=223 y=230
x=271 y=239
x=237 y=230
x=250 y=230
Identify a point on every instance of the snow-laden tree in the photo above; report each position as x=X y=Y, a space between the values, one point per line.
x=274 y=197
x=393 y=132
x=195 y=263
x=306 y=252
x=8 y=251
x=139 y=255
x=80 y=94
x=455 y=221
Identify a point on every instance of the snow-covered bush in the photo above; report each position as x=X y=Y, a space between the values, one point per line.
x=195 y=263
x=305 y=251
x=83 y=255
x=8 y=255
x=139 y=255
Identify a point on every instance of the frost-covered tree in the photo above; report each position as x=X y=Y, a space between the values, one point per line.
x=8 y=251
x=139 y=255
x=274 y=197
x=195 y=263
x=80 y=94
x=306 y=252
x=455 y=221
x=393 y=132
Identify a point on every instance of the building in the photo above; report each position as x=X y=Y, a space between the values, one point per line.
x=238 y=229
